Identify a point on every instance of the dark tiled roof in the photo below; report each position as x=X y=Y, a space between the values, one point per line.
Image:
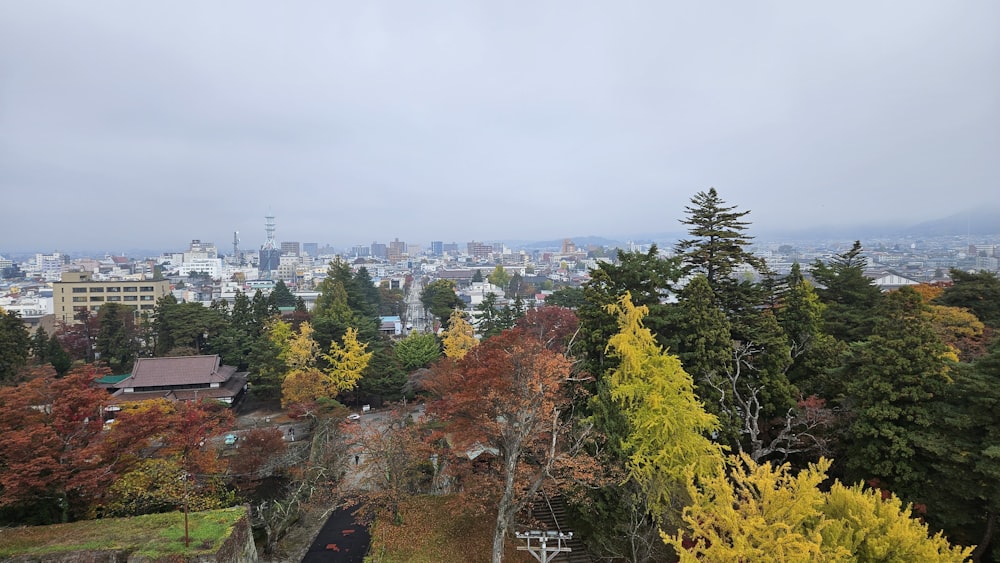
x=229 y=389
x=181 y=370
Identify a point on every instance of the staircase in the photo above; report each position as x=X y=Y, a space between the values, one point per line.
x=550 y=514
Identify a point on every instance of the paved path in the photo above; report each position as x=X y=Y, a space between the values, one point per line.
x=341 y=539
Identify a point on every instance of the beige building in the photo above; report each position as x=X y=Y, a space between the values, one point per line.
x=77 y=291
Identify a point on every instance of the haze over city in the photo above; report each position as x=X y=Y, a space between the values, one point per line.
x=125 y=124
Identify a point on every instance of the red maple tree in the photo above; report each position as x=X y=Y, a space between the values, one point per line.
x=503 y=402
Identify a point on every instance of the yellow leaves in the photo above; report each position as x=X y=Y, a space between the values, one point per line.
x=302 y=350
x=874 y=528
x=460 y=336
x=305 y=386
x=280 y=333
x=347 y=361
x=765 y=513
x=305 y=383
x=667 y=424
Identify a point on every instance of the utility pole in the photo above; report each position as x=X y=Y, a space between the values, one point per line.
x=541 y=550
x=187 y=538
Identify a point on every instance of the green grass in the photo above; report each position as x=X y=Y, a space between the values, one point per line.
x=153 y=535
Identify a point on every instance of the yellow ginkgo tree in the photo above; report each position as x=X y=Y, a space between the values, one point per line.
x=761 y=512
x=305 y=382
x=460 y=337
x=347 y=362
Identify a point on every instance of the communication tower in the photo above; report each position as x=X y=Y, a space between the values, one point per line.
x=237 y=259
x=270 y=256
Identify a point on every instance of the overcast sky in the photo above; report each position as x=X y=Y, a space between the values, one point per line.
x=148 y=124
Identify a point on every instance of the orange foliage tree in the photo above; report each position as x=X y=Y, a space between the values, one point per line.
x=52 y=458
x=503 y=400
x=57 y=461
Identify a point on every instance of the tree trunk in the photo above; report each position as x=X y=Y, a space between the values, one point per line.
x=984 y=544
x=503 y=508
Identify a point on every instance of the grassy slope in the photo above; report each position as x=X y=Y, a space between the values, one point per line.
x=152 y=535
x=433 y=531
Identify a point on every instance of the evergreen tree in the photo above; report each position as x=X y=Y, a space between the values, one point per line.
x=40 y=345
x=384 y=376
x=648 y=278
x=488 y=320
x=370 y=293
x=978 y=292
x=965 y=467
x=705 y=347
x=116 y=337
x=262 y=308
x=237 y=337
x=184 y=328
x=849 y=296
x=15 y=345
x=58 y=357
x=569 y=297
x=440 y=299
x=718 y=241
x=893 y=377
x=417 y=350
x=814 y=353
x=281 y=295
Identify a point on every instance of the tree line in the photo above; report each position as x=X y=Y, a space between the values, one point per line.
x=697 y=406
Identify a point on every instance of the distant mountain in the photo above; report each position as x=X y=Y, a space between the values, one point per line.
x=580 y=242
x=981 y=221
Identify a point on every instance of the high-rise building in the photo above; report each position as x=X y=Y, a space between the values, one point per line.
x=479 y=250
x=397 y=249
x=310 y=249
x=437 y=247
x=290 y=248
x=379 y=250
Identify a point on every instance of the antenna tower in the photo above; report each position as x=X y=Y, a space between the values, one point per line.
x=269 y=254
x=236 y=249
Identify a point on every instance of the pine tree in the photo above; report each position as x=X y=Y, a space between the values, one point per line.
x=893 y=377
x=706 y=347
x=648 y=278
x=718 y=242
x=849 y=296
x=813 y=352
x=40 y=345
x=15 y=343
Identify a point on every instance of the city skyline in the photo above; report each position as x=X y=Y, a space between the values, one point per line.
x=122 y=122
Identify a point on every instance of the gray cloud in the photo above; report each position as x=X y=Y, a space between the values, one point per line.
x=484 y=120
